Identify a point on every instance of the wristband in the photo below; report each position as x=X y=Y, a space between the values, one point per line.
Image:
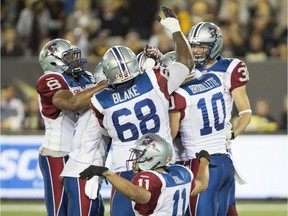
x=245 y=111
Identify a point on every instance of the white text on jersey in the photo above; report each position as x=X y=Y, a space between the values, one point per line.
x=208 y=84
x=126 y=95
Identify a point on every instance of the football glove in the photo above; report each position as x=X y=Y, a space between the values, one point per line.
x=206 y=155
x=170 y=22
x=91 y=171
x=230 y=135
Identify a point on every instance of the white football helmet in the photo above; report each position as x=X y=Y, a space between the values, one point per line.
x=168 y=58
x=99 y=74
x=120 y=65
x=59 y=55
x=206 y=33
x=150 y=152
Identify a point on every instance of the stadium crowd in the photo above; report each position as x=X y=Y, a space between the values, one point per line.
x=255 y=29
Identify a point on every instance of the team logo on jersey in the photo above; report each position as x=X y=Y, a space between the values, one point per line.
x=149 y=142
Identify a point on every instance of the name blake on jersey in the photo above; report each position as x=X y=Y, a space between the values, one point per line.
x=126 y=95
x=208 y=84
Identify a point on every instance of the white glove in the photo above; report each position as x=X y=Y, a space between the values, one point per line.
x=91 y=187
x=229 y=134
x=170 y=22
x=148 y=63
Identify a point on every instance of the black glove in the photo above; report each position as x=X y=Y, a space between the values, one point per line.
x=167 y=12
x=91 y=171
x=206 y=155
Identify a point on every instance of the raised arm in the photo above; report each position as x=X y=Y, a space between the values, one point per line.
x=182 y=47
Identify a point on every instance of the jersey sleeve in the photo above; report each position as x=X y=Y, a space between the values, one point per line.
x=153 y=184
x=46 y=87
x=177 y=103
x=97 y=113
x=162 y=76
x=239 y=76
x=170 y=78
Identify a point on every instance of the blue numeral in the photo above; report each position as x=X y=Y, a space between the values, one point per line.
x=143 y=118
x=176 y=201
x=207 y=129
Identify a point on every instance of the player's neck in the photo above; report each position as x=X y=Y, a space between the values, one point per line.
x=160 y=169
x=210 y=63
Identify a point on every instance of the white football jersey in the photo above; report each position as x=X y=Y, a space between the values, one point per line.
x=234 y=74
x=170 y=191
x=138 y=107
x=59 y=124
x=203 y=114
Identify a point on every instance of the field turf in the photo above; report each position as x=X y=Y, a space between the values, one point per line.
x=245 y=208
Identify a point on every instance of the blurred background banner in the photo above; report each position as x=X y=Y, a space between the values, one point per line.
x=21 y=177
x=20 y=173
x=261 y=159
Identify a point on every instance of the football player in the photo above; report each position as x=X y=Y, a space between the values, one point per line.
x=137 y=103
x=157 y=188
x=64 y=90
x=206 y=43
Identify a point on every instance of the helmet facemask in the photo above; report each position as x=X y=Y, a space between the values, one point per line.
x=74 y=64
x=60 y=56
x=200 y=59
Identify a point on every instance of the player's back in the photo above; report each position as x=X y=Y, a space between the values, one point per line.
x=175 y=192
x=137 y=107
x=202 y=126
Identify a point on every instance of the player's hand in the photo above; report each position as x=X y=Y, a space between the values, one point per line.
x=153 y=52
x=170 y=22
x=91 y=171
x=205 y=154
x=229 y=134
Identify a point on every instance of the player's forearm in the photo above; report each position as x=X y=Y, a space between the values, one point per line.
x=183 y=51
x=65 y=100
x=127 y=188
x=241 y=123
x=202 y=179
x=174 y=118
x=82 y=100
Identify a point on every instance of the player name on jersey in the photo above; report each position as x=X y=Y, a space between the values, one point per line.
x=125 y=95
x=210 y=83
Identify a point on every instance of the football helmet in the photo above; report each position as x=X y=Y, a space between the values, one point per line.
x=206 y=33
x=99 y=74
x=120 y=65
x=168 y=58
x=59 y=55
x=150 y=152
x=145 y=62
